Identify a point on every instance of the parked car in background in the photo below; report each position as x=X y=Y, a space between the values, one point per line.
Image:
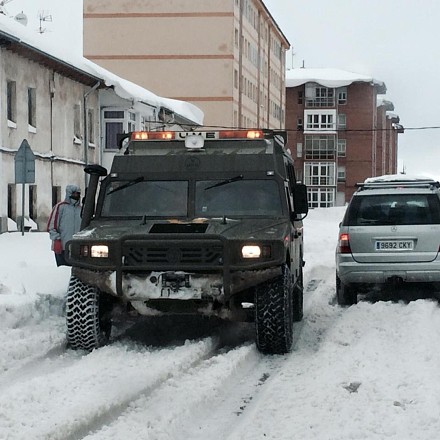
x=390 y=234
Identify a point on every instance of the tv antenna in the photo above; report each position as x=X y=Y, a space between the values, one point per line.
x=2 y=6
x=44 y=16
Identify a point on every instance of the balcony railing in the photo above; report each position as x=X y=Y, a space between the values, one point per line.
x=322 y=101
x=320 y=154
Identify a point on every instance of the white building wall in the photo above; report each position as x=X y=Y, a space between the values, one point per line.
x=59 y=161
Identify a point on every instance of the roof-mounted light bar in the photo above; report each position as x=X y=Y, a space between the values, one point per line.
x=241 y=134
x=152 y=135
x=208 y=135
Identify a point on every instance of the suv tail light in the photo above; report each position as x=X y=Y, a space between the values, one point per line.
x=344 y=244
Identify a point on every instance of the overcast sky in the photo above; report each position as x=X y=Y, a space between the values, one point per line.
x=395 y=41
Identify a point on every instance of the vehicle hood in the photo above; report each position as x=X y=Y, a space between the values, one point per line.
x=231 y=229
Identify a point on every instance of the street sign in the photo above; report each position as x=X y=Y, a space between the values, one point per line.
x=24 y=172
x=24 y=164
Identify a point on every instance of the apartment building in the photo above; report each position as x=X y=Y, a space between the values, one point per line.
x=225 y=56
x=339 y=132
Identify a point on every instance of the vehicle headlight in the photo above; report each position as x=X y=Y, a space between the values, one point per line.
x=251 y=251
x=99 y=251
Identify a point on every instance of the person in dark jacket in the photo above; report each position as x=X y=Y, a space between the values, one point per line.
x=64 y=221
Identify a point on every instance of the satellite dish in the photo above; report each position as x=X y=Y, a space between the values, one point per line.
x=21 y=18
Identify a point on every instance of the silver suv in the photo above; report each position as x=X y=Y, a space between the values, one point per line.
x=390 y=234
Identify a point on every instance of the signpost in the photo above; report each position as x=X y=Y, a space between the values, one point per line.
x=24 y=172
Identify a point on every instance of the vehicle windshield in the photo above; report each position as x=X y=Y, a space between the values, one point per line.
x=236 y=198
x=149 y=198
x=394 y=209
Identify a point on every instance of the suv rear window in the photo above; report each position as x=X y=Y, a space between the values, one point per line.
x=393 y=209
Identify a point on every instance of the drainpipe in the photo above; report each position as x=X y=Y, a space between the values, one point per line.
x=86 y=141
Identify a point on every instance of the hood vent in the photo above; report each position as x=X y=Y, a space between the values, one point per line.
x=179 y=228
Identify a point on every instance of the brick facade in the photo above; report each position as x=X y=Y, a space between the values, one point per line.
x=339 y=136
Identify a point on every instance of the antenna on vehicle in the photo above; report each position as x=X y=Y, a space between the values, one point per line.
x=43 y=16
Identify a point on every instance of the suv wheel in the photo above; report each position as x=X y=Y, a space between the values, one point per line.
x=87 y=316
x=274 y=314
x=298 y=294
x=345 y=295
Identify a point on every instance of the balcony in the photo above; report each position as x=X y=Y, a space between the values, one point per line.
x=320 y=102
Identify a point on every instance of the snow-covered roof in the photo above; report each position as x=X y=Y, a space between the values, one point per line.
x=383 y=101
x=398 y=178
x=329 y=77
x=123 y=88
x=392 y=115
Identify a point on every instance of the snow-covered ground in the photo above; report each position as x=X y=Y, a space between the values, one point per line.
x=369 y=371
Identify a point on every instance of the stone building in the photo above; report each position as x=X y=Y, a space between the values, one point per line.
x=69 y=112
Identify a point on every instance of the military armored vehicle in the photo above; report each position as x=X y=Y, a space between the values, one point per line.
x=204 y=222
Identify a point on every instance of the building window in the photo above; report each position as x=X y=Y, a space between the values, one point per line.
x=91 y=126
x=236 y=38
x=342 y=121
x=341 y=173
x=319 y=147
x=32 y=107
x=317 y=96
x=12 y=101
x=131 y=124
x=12 y=202
x=299 y=124
x=342 y=95
x=321 y=197
x=56 y=195
x=299 y=149
x=320 y=121
x=77 y=124
x=117 y=122
x=319 y=173
x=342 y=147
x=114 y=124
x=236 y=78
x=300 y=97
x=33 y=202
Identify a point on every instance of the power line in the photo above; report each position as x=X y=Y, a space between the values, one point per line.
x=346 y=130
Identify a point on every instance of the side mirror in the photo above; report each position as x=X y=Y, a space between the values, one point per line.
x=95 y=171
x=300 y=202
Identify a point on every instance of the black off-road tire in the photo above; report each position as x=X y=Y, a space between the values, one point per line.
x=87 y=316
x=345 y=295
x=274 y=314
x=298 y=298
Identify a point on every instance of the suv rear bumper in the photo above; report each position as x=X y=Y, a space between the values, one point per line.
x=350 y=271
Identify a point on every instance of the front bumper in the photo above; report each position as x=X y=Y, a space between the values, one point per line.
x=177 y=285
x=211 y=261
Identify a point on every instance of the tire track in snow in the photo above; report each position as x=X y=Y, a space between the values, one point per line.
x=69 y=402
x=28 y=345
x=182 y=404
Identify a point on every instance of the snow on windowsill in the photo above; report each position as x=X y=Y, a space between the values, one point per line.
x=12 y=124
x=77 y=141
x=32 y=129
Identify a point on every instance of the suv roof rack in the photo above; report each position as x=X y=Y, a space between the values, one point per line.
x=428 y=183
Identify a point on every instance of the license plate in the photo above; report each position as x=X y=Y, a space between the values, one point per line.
x=395 y=245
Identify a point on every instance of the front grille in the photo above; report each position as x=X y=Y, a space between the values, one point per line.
x=172 y=255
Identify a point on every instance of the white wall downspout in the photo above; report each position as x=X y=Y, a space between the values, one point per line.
x=85 y=139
